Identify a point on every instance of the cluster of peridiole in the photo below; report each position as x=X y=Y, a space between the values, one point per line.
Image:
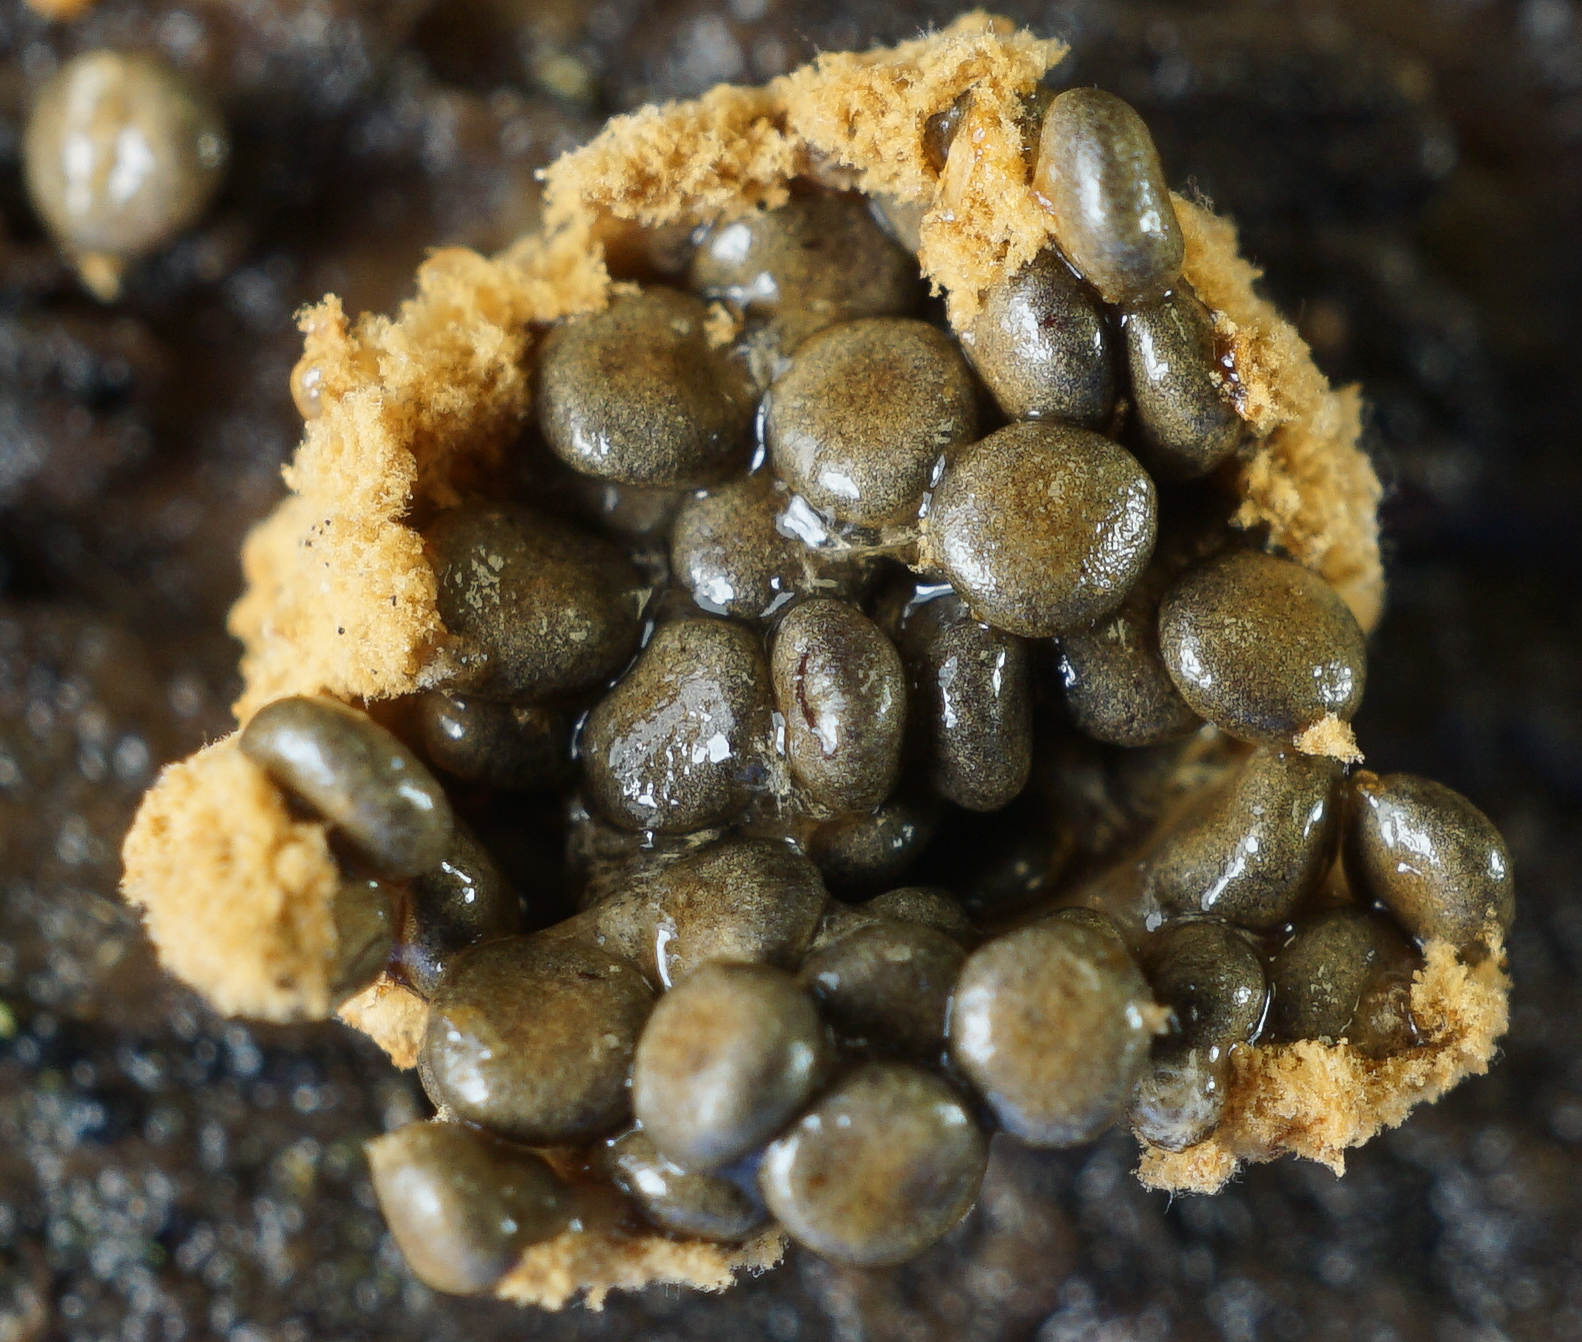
x=797 y=592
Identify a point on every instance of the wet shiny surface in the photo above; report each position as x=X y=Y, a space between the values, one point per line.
x=635 y=394
x=867 y=852
x=680 y=742
x=858 y=422
x=510 y=746
x=1043 y=528
x=375 y=792
x=1099 y=176
x=1430 y=857
x=814 y=261
x=882 y=1166
x=705 y=1205
x=1261 y=647
x=887 y=985
x=730 y=553
x=1255 y=851
x=1042 y=345
x=1181 y=1097
x=728 y=1055
x=1327 y=977
x=752 y=901
x=463 y=899
x=972 y=704
x=1048 y=1024
x=1211 y=975
x=1187 y=422
x=1116 y=686
x=533 y=1039
x=841 y=691
x=462 y=1204
x=541 y=607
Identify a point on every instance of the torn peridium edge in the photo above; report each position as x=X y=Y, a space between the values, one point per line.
x=235 y=890
x=1316 y=1099
x=552 y=1273
x=340 y=599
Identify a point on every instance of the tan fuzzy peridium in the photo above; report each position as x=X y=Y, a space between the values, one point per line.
x=234 y=890
x=1306 y=479
x=390 y=1014
x=339 y=597
x=1317 y=1100
x=1330 y=736
x=593 y=1263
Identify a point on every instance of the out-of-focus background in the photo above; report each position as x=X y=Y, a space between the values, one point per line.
x=1409 y=172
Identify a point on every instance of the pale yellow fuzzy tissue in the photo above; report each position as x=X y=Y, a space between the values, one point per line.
x=235 y=891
